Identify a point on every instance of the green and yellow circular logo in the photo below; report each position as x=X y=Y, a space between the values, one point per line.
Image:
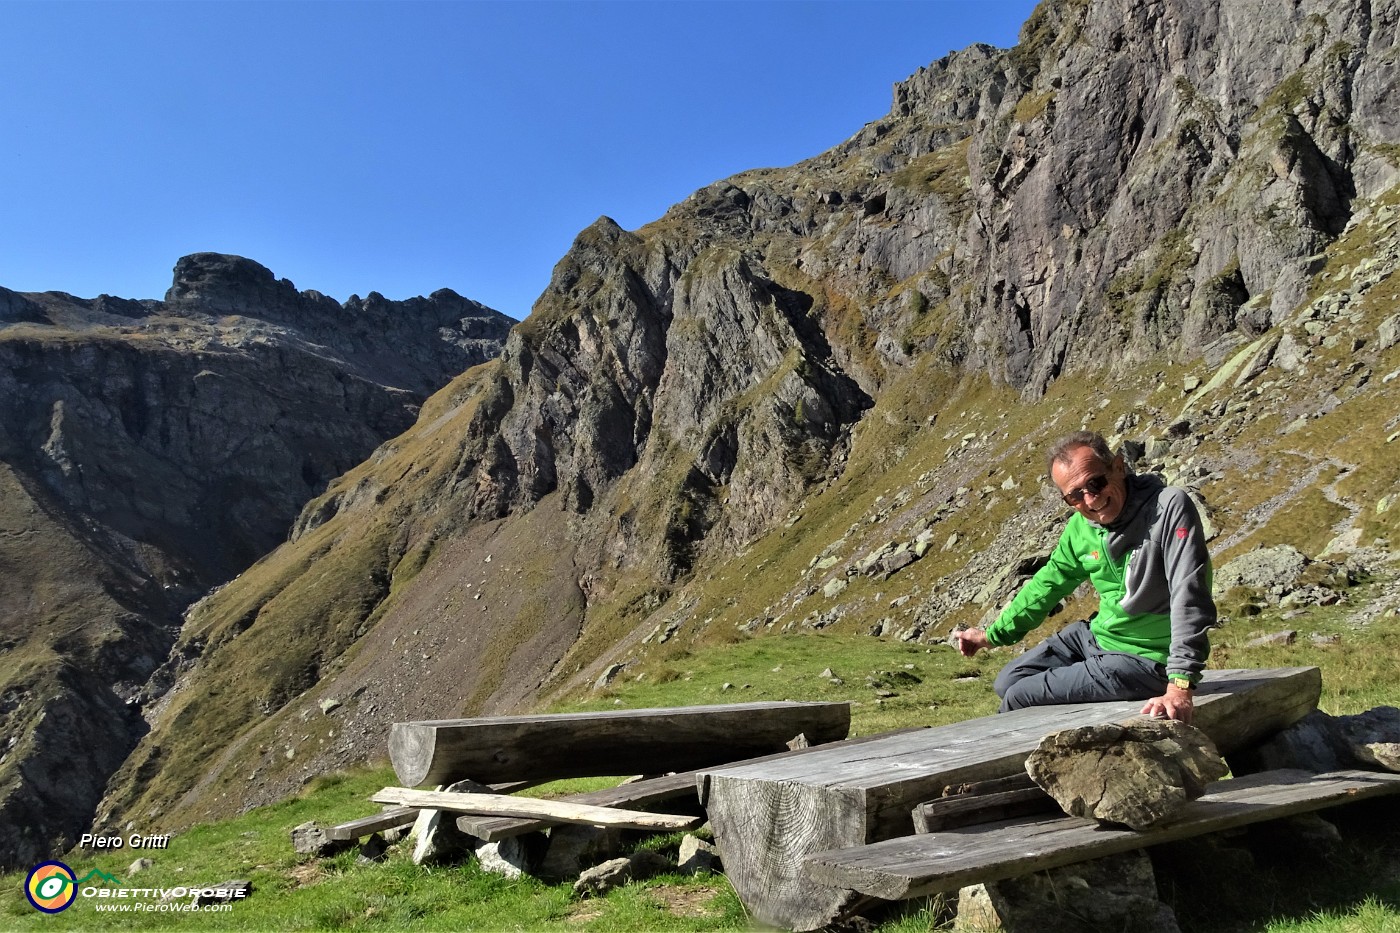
x=51 y=887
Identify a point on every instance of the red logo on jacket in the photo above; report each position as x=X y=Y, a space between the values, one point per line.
x=1181 y=533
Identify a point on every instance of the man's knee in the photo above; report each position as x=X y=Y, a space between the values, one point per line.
x=1014 y=695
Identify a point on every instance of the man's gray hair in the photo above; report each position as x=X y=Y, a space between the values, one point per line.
x=1060 y=451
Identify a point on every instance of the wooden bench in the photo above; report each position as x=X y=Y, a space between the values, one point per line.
x=769 y=818
x=914 y=866
x=634 y=741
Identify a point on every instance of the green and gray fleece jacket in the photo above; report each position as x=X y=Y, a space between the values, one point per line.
x=1152 y=574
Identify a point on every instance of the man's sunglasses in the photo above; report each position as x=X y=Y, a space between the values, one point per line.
x=1091 y=488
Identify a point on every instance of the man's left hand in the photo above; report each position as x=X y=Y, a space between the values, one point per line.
x=1174 y=704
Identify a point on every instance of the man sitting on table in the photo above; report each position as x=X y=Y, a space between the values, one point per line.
x=1140 y=543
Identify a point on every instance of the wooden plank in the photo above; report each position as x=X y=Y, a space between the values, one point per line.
x=556 y=811
x=641 y=741
x=375 y=823
x=768 y=818
x=399 y=816
x=968 y=809
x=673 y=789
x=914 y=866
x=638 y=794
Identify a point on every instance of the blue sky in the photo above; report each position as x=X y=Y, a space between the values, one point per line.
x=403 y=147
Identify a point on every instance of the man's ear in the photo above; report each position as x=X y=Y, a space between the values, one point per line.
x=1119 y=465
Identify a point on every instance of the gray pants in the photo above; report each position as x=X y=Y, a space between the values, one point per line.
x=1070 y=667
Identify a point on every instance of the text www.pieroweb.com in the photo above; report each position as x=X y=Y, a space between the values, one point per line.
x=140 y=907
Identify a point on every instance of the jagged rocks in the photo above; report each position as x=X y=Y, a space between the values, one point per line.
x=1136 y=773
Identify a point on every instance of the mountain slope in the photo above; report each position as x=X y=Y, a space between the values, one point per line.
x=152 y=450
x=755 y=412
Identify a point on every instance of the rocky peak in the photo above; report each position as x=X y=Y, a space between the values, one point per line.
x=215 y=283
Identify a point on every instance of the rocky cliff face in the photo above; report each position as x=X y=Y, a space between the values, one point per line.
x=152 y=450
x=801 y=380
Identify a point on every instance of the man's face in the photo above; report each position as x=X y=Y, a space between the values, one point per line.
x=1083 y=473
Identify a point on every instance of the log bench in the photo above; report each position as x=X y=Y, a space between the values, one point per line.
x=635 y=741
x=769 y=818
x=914 y=866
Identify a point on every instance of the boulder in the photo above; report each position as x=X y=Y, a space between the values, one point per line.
x=642 y=864
x=510 y=857
x=1137 y=773
x=697 y=856
x=438 y=838
x=1269 y=569
x=572 y=848
x=1118 y=892
x=1373 y=737
x=1314 y=743
x=310 y=838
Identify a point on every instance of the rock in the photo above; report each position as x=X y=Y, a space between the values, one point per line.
x=1384 y=756
x=834 y=587
x=893 y=563
x=1277 y=638
x=1264 y=569
x=643 y=864
x=1374 y=737
x=697 y=856
x=572 y=848
x=139 y=866
x=608 y=676
x=511 y=857
x=372 y=850
x=329 y=705
x=1118 y=892
x=1136 y=773
x=310 y=839
x=600 y=879
x=438 y=838
x=1388 y=333
x=1314 y=743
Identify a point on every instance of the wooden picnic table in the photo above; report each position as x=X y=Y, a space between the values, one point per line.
x=768 y=818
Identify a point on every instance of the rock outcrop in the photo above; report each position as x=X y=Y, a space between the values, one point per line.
x=152 y=450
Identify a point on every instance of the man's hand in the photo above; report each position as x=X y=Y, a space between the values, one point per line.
x=969 y=641
x=1174 y=704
